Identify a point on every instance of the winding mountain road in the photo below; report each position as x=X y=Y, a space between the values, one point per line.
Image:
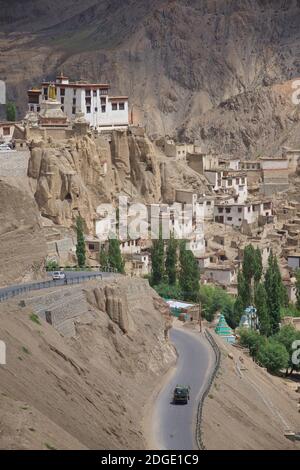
x=73 y=277
x=174 y=426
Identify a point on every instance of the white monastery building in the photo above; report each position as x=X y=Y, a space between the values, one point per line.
x=100 y=110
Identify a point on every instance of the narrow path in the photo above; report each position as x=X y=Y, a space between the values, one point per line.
x=174 y=426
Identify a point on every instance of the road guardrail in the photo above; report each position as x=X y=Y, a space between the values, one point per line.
x=9 y=292
x=211 y=340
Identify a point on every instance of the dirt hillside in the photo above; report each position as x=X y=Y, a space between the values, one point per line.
x=86 y=390
x=247 y=408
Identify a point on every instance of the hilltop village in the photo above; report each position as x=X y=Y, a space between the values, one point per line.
x=79 y=148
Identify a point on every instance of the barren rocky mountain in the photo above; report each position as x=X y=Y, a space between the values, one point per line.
x=200 y=68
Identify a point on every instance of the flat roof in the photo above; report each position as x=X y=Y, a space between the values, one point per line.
x=219 y=267
x=113 y=98
x=78 y=85
x=178 y=304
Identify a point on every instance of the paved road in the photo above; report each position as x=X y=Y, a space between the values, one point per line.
x=72 y=277
x=175 y=425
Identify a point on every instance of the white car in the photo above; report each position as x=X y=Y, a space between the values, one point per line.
x=58 y=275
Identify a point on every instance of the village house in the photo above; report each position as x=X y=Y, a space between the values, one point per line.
x=99 y=109
x=179 y=151
x=222 y=274
x=236 y=214
x=6 y=131
x=294 y=261
x=293 y=158
x=275 y=175
x=201 y=162
x=141 y=264
x=229 y=162
x=229 y=182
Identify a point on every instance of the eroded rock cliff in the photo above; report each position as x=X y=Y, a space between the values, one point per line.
x=76 y=176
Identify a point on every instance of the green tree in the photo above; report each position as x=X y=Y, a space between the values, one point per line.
x=286 y=336
x=115 y=259
x=80 y=247
x=11 y=112
x=169 y=291
x=237 y=312
x=273 y=356
x=298 y=289
x=258 y=266
x=189 y=274
x=244 y=290
x=103 y=257
x=171 y=260
x=215 y=299
x=252 y=340
x=261 y=304
x=249 y=263
x=157 y=259
x=276 y=292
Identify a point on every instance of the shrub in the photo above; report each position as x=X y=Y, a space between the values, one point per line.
x=273 y=356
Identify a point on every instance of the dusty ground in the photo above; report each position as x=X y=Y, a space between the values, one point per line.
x=251 y=409
x=87 y=391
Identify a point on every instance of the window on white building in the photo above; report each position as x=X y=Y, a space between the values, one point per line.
x=114 y=106
x=88 y=93
x=62 y=100
x=103 y=108
x=73 y=110
x=94 y=92
x=62 y=92
x=88 y=109
x=121 y=106
x=62 y=108
x=74 y=91
x=96 y=110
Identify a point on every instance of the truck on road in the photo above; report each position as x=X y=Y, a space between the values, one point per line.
x=181 y=394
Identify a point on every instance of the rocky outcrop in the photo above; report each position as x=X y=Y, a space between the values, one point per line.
x=74 y=177
x=113 y=301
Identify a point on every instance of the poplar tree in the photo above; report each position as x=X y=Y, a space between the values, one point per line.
x=157 y=258
x=275 y=292
x=103 y=257
x=115 y=259
x=80 y=247
x=11 y=112
x=261 y=304
x=189 y=274
x=171 y=260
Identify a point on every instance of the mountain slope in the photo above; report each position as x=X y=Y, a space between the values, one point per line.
x=176 y=59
